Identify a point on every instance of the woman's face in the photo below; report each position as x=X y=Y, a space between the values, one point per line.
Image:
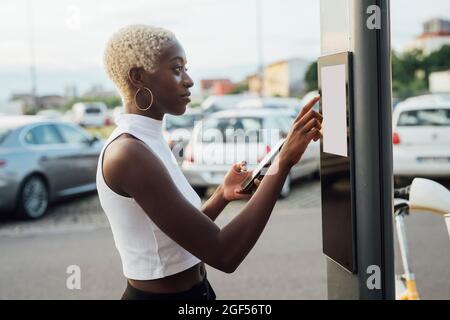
x=169 y=84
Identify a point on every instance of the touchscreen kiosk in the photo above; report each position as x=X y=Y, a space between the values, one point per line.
x=336 y=159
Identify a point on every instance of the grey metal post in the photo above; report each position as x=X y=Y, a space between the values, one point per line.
x=372 y=156
x=373 y=148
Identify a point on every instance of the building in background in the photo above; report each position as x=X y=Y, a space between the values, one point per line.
x=50 y=102
x=440 y=82
x=436 y=33
x=283 y=78
x=219 y=87
x=37 y=103
x=16 y=107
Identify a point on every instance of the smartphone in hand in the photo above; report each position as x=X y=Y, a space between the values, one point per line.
x=259 y=171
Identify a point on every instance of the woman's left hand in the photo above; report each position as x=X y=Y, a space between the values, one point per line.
x=233 y=180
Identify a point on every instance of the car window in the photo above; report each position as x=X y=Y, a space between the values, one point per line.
x=43 y=134
x=429 y=117
x=93 y=110
x=185 y=121
x=231 y=129
x=71 y=135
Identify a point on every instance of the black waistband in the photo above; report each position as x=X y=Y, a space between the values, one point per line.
x=200 y=291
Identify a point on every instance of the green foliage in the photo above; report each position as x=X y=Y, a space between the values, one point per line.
x=411 y=70
x=311 y=77
x=240 y=88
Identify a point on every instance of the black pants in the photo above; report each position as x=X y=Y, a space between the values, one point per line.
x=201 y=291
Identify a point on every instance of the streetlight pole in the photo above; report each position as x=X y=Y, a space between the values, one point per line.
x=32 y=54
x=260 y=47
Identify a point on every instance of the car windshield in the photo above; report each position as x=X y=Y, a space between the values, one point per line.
x=229 y=130
x=428 y=117
x=185 y=121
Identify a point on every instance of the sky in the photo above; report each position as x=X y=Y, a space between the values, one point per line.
x=219 y=37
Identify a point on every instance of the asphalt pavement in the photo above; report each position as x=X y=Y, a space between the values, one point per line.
x=286 y=263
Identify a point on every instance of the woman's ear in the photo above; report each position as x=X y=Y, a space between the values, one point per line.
x=135 y=76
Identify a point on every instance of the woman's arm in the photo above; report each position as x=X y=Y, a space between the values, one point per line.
x=150 y=184
x=215 y=204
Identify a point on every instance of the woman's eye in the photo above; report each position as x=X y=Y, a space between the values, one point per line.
x=180 y=69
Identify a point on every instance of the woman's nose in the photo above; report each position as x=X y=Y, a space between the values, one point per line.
x=187 y=81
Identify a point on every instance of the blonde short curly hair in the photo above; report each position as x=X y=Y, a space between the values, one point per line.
x=134 y=46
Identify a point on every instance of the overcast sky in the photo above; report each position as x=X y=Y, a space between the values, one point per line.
x=219 y=36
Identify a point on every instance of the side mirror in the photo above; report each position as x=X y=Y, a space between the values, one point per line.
x=427 y=195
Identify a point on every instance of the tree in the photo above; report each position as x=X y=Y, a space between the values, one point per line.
x=311 y=77
x=240 y=88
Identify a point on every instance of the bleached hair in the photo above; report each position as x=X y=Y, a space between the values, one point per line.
x=134 y=46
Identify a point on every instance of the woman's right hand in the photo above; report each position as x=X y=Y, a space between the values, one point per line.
x=306 y=127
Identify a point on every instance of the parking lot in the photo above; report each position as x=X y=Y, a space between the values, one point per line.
x=286 y=263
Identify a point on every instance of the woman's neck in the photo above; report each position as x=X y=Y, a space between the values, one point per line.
x=151 y=113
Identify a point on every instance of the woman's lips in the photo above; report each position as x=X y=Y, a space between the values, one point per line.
x=186 y=97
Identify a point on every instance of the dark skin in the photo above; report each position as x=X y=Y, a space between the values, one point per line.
x=195 y=230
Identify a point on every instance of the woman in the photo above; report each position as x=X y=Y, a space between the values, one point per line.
x=162 y=232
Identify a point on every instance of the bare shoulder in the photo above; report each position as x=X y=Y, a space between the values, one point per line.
x=123 y=158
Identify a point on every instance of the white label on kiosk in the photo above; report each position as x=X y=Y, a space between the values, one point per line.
x=334 y=110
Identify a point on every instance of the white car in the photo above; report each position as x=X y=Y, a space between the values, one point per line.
x=50 y=114
x=307 y=98
x=177 y=130
x=221 y=103
x=228 y=137
x=421 y=137
x=270 y=103
x=90 y=114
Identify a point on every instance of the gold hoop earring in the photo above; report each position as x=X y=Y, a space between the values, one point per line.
x=135 y=100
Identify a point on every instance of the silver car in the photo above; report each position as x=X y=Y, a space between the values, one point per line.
x=216 y=144
x=42 y=160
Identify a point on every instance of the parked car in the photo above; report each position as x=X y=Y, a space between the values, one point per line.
x=90 y=114
x=117 y=111
x=177 y=130
x=224 y=102
x=270 y=103
x=50 y=114
x=421 y=138
x=231 y=136
x=306 y=98
x=43 y=160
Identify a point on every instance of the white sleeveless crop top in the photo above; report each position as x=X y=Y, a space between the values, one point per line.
x=146 y=251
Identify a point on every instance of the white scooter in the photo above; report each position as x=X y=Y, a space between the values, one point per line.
x=425 y=196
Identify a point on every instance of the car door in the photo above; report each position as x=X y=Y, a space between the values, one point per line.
x=231 y=139
x=53 y=159
x=84 y=153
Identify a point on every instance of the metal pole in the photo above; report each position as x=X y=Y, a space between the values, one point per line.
x=260 y=46
x=32 y=54
x=373 y=146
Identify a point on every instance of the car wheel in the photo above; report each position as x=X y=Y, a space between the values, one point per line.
x=33 y=198
x=286 y=188
x=201 y=191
